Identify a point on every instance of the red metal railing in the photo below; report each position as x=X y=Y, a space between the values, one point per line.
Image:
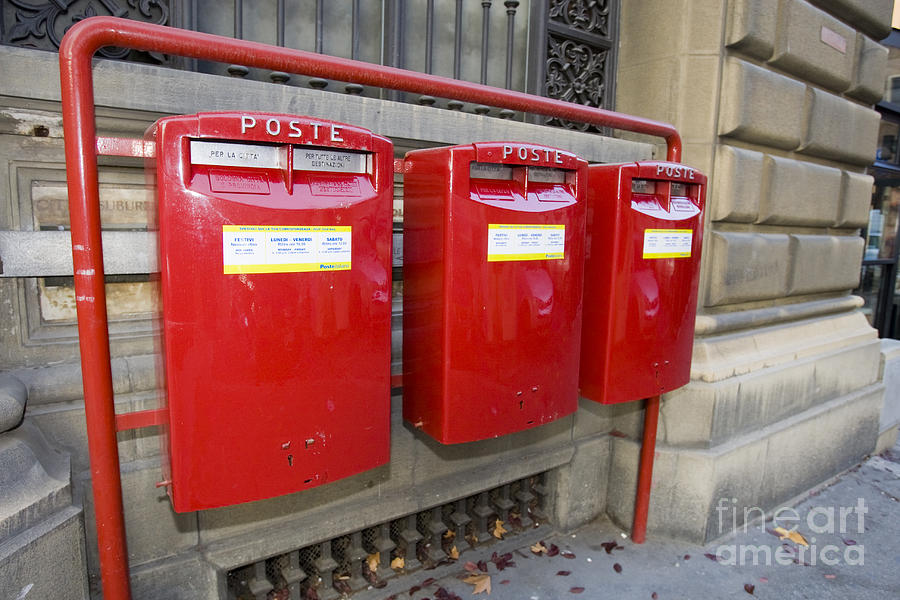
x=82 y=146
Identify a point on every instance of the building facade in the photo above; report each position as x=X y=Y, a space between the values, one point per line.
x=774 y=101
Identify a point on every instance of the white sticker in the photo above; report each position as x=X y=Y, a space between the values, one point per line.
x=225 y=154
x=285 y=249
x=667 y=243
x=335 y=161
x=525 y=242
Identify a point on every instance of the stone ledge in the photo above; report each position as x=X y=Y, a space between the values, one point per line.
x=760 y=469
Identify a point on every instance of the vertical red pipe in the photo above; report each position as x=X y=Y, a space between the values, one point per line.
x=90 y=300
x=645 y=472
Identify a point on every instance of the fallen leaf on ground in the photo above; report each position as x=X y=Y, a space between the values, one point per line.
x=539 y=548
x=567 y=554
x=504 y=582
x=654 y=595
x=414 y=589
x=498 y=529
x=502 y=561
x=564 y=573
x=712 y=557
x=553 y=550
x=449 y=534
x=482 y=566
x=442 y=594
x=749 y=587
x=470 y=566
x=609 y=546
x=372 y=560
x=764 y=580
x=829 y=576
x=617 y=568
x=454 y=553
x=792 y=535
x=428 y=582
x=482 y=583
x=398 y=563
x=576 y=590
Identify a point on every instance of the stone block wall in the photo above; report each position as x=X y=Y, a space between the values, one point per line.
x=773 y=100
x=188 y=555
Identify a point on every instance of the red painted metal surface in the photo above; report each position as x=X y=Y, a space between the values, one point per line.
x=141 y=418
x=492 y=277
x=137 y=148
x=641 y=276
x=645 y=472
x=76 y=81
x=275 y=254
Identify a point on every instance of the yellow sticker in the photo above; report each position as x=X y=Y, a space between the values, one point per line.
x=667 y=243
x=285 y=249
x=508 y=242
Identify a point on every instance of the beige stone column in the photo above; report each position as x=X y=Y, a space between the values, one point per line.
x=773 y=99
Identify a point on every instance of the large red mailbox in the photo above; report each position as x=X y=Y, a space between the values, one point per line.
x=275 y=248
x=492 y=274
x=641 y=274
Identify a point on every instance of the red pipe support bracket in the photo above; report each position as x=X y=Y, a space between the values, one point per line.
x=645 y=472
x=75 y=56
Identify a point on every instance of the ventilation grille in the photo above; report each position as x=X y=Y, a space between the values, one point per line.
x=341 y=566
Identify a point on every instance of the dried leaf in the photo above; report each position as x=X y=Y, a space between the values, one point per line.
x=609 y=546
x=428 y=582
x=502 y=561
x=553 y=550
x=576 y=590
x=482 y=566
x=470 y=566
x=539 y=548
x=564 y=573
x=749 y=587
x=504 y=582
x=498 y=529
x=711 y=557
x=454 y=553
x=482 y=583
x=654 y=596
x=849 y=542
x=398 y=563
x=617 y=568
x=830 y=576
x=449 y=534
x=792 y=535
x=617 y=433
x=687 y=557
x=442 y=594
x=414 y=589
x=567 y=554
x=372 y=561
x=312 y=594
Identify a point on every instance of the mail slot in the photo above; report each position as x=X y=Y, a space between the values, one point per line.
x=275 y=249
x=641 y=273
x=492 y=268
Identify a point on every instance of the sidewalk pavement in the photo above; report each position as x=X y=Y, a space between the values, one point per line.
x=851 y=526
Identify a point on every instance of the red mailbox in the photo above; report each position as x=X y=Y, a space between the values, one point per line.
x=492 y=275
x=275 y=249
x=641 y=274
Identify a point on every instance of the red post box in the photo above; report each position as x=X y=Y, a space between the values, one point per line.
x=492 y=275
x=641 y=273
x=275 y=249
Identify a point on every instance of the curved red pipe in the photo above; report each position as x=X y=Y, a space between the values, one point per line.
x=76 y=79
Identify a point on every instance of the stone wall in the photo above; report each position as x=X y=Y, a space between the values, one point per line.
x=188 y=555
x=773 y=99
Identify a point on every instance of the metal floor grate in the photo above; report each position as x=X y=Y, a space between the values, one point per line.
x=360 y=559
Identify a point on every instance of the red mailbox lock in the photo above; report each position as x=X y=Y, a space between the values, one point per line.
x=641 y=275
x=275 y=246
x=492 y=274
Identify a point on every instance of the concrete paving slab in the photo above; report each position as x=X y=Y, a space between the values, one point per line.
x=851 y=526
